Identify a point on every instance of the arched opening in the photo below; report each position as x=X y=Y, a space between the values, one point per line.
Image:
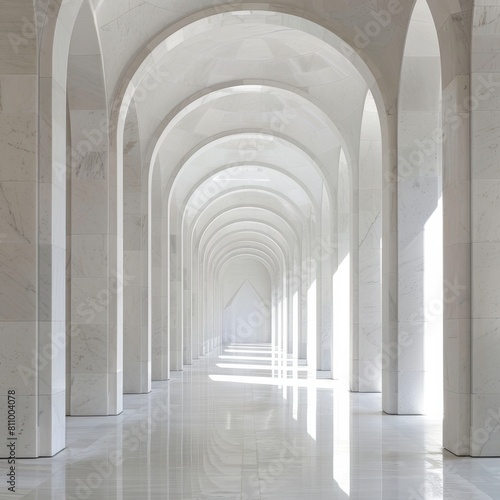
x=119 y=122
x=95 y=367
x=420 y=216
x=181 y=354
x=366 y=249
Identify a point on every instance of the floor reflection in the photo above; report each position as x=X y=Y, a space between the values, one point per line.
x=255 y=429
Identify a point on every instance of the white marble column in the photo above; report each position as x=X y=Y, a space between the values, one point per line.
x=484 y=103
x=455 y=49
x=54 y=163
x=136 y=334
x=210 y=302
x=96 y=350
x=175 y=286
x=158 y=284
x=204 y=294
x=297 y=292
x=18 y=231
x=456 y=268
x=389 y=267
x=368 y=238
x=412 y=234
x=187 y=302
x=197 y=307
x=324 y=253
x=304 y=280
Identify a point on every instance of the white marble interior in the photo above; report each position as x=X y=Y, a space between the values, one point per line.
x=315 y=181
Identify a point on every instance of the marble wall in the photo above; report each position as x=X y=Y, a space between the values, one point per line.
x=55 y=22
x=389 y=264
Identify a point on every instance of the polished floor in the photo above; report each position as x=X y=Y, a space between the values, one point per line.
x=226 y=428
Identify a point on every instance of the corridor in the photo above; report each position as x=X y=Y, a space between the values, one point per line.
x=226 y=428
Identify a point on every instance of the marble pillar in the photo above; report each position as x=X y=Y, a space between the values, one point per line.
x=324 y=253
x=175 y=319
x=96 y=349
x=389 y=266
x=136 y=334
x=420 y=299
x=457 y=268
x=18 y=232
x=187 y=303
x=368 y=311
x=454 y=39
x=484 y=103
x=158 y=282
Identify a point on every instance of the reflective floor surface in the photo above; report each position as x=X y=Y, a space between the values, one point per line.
x=226 y=428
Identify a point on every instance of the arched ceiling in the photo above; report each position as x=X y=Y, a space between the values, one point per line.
x=245 y=106
x=268 y=106
x=126 y=26
x=241 y=152
x=249 y=205
x=246 y=178
x=326 y=77
x=258 y=107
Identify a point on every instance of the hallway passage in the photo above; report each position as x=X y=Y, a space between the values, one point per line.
x=225 y=428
